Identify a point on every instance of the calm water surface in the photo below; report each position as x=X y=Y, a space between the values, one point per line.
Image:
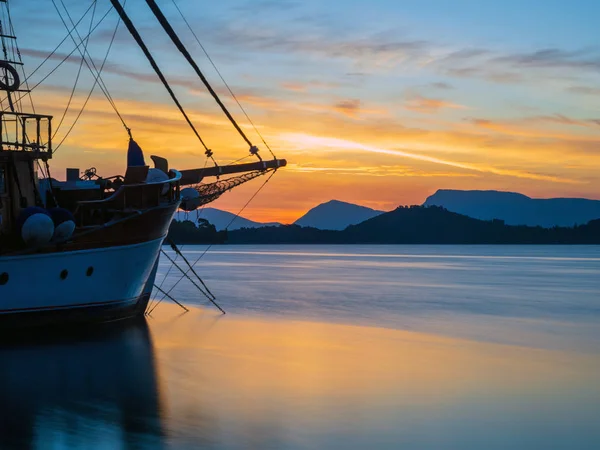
x=331 y=347
x=543 y=296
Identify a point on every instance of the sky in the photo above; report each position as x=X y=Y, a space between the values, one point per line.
x=374 y=102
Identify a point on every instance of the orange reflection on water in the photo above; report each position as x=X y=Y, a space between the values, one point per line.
x=328 y=378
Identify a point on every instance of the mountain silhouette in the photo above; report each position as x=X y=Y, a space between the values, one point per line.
x=517 y=209
x=221 y=219
x=421 y=225
x=336 y=215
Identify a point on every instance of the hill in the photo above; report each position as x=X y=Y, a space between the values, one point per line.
x=336 y=215
x=186 y=232
x=517 y=209
x=220 y=219
x=421 y=225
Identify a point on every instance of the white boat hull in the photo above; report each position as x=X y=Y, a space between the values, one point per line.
x=101 y=281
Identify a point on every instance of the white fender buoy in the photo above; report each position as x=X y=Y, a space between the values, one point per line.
x=188 y=197
x=36 y=226
x=64 y=224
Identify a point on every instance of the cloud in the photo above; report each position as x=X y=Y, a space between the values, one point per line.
x=351 y=108
x=377 y=171
x=516 y=67
x=192 y=84
x=519 y=126
x=116 y=69
x=310 y=141
x=441 y=85
x=391 y=51
x=584 y=90
x=564 y=120
x=552 y=58
x=297 y=86
x=427 y=105
x=374 y=49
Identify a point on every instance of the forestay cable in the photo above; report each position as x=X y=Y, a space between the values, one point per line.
x=228 y=225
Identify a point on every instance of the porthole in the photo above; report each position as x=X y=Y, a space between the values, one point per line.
x=3 y=278
x=64 y=274
x=90 y=271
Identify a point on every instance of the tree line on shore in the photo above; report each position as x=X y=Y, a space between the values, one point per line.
x=404 y=225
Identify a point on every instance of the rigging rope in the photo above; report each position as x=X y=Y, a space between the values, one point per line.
x=92 y=91
x=87 y=41
x=177 y=256
x=222 y=78
x=6 y=72
x=136 y=36
x=62 y=42
x=64 y=59
x=171 y=32
x=228 y=225
x=12 y=32
x=13 y=48
x=237 y=160
x=101 y=81
x=210 y=192
x=170 y=298
x=95 y=74
x=184 y=275
x=175 y=249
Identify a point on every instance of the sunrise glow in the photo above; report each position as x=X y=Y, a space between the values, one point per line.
x=380 y=110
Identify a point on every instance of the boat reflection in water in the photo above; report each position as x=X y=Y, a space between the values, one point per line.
x=99 y=391
x=247 y=382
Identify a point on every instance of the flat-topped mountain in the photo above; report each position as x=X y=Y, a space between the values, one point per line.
x=336 y=215
x=517 y=209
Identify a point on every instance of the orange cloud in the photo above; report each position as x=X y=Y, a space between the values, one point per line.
x=351 y=108
x=296 y=87
x=427 y=105
x=314 y=141
x=307 y=86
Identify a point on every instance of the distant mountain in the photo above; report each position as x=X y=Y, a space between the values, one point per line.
x=221 y=219
x=517 y=209
x=336 y=215
x=421 y=225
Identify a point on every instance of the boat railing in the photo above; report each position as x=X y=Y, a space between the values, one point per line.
x=26 y=132
x=129 y=198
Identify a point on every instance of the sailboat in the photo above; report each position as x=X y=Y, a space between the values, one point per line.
x=86 y=249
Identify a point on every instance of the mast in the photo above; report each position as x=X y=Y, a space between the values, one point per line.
x=9 y=81
x=30 y=134
x=25 y=138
